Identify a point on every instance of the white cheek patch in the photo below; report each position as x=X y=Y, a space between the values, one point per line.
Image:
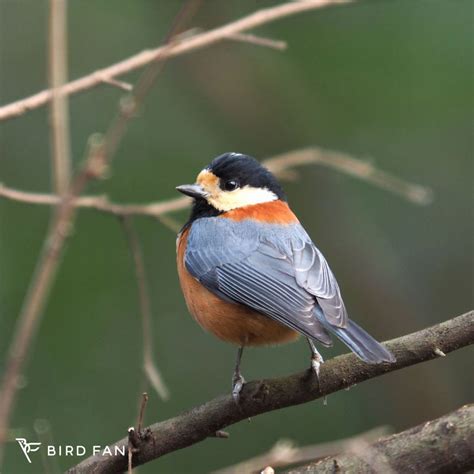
x=246 y=196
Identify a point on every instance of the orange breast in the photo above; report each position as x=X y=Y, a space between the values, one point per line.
x=273 y=212
x=232 y=323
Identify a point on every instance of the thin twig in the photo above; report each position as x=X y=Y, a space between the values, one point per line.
x=38 y=292
x=260 y=41
x=285 y=452
x=98 y=159
x=141 y=414
x=151 y=371
x=99 y=203
x=282 y=166
x=262 y=396
x=130 y=105
x=364 y=170
x=170 y=222
x=241 y=37
x=125 y=86
x=186 y=45
x=135 y=435
x=60 y=136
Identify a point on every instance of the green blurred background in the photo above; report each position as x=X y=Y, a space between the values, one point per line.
x=387 y=79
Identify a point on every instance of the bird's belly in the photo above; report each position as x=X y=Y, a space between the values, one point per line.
x=230 y=322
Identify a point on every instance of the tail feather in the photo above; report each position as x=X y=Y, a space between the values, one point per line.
x=359 y=341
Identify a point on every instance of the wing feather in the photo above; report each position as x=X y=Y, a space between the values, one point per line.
x=254 y=289
x=276 y=270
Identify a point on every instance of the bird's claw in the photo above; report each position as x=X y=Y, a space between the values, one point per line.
x=237 y=385
x=316 y=361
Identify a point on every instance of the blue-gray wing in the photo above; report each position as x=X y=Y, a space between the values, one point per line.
x=275 y=270
x=312 y=273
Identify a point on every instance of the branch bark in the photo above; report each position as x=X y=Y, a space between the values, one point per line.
x=443 y=445
x=143 y=58
x=266 y=395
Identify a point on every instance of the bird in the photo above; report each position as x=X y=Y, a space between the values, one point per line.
x=251 y=275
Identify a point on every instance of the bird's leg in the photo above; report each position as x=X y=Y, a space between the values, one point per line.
x=237 y=379
x=316 y=358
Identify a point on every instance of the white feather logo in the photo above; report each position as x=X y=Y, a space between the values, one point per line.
x=28 y=447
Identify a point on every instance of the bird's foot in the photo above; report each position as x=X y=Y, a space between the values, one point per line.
x=316 y=361
x=237 y=385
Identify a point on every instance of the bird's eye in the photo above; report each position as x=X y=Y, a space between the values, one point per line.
x=231 y=185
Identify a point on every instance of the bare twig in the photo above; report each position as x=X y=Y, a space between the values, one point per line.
x=130 y=105
x=35 y=299
x=125 y=86
x=438 y=446
x=285 y=453
x=361 y=169
x=241 y=37
x=135 y=435
x=151 y=371
x=266 y=395
x=141 y=414
x=186 y=45
x=98 y=159
x=98 y=203
x=170 y=222
x=60 y=136
x=260 y=41
x=282 y=165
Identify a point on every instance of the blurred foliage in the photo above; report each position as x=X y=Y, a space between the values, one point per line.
x=388 y=80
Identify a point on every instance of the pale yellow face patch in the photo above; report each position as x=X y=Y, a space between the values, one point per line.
x=207 y=180
x=227 y=200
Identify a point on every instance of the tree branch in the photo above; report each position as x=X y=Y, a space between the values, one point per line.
x=286 y=453
x=38 y=291
x=151 y=371
x=266 y=395
x=99 y=157
x=59 y=119
x=438 y=446
x=282 y=166
x=186 y=45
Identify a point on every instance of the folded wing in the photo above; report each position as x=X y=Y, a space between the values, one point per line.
x=275 y=270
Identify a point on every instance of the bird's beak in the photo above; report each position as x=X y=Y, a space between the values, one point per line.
x=192 y=190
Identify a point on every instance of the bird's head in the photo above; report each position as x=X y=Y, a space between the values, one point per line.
x=233 y=180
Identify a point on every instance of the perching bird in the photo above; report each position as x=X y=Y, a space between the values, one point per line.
x=249 y=272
